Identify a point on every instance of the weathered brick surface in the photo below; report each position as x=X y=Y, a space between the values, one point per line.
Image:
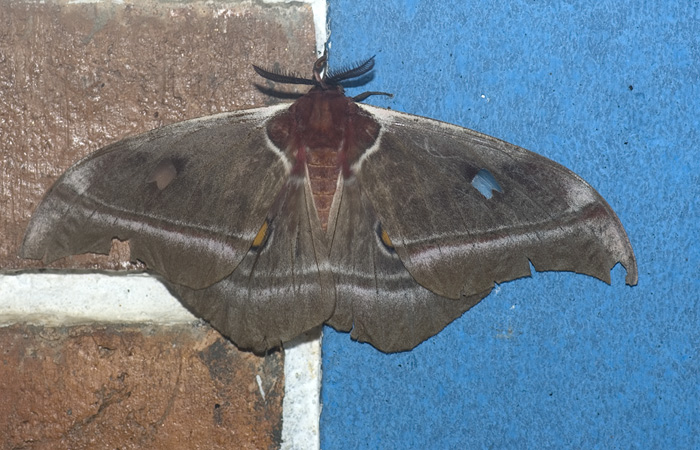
x=135 y=387
x=76 y=77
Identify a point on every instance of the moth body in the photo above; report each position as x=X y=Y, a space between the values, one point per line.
x=323 y=134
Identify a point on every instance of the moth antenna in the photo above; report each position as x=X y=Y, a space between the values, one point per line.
x=364 y=95
x=319 y=77
x=271 y=92
x=282 y=77
x=353 y=71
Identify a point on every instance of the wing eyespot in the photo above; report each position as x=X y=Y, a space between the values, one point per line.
x=262 y=237
x=384 y=239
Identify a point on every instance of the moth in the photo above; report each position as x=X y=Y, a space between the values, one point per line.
x=271 y=221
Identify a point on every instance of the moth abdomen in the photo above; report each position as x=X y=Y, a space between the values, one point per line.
x=323 y=170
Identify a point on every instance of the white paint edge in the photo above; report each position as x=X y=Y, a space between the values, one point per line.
x=301 y=408
x=320 y=12
x=319 y=9
x=55 y=299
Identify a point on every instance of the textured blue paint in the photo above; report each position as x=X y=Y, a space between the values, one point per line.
x=612 y=91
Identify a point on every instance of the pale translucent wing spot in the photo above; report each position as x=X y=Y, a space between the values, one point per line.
x=486 y=183
x=163 y=174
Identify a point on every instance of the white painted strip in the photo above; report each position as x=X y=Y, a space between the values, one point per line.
x=319 y=9
x=70 y=299
x=301 y=413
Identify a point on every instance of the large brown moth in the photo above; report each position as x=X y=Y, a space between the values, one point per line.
x=271 y=221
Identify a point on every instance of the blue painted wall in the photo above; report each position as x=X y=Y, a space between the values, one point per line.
x=610 y=90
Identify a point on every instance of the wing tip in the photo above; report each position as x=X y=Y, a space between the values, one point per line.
x=632 y=277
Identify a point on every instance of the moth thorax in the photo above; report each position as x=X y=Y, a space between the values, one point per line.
x=323 y=170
